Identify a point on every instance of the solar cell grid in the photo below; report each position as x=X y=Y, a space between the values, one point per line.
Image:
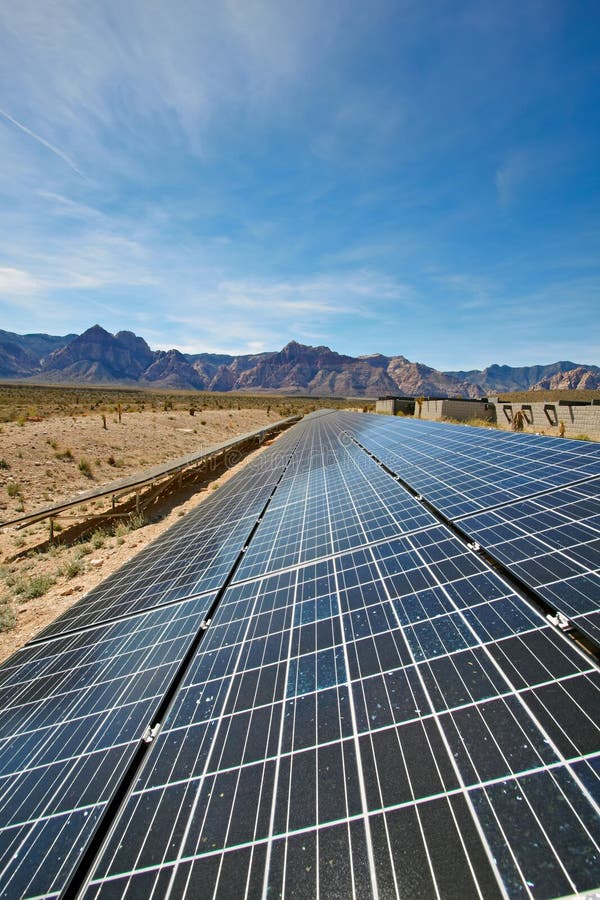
x=462 y=470
x=373 y=710
x=335 y=684
x=347 y=501
x=73 y=711
x=552 y=543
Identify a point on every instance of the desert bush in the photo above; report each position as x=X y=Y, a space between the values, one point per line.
x=8 y=618
x=82 y=550
x=73 y=568
x=137 y=520
x=4 y=464
x=66 y=455
x=36 y=586
x=85 y=468
x=121 y=529
x=13 y=489
x=98 y=539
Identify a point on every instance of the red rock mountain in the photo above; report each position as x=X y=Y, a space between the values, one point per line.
x=579 y=378
x=98 y=357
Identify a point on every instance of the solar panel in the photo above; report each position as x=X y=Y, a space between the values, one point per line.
x=321 y=714
x=74 y=710
x=372 y=710
x=548 y=539
x=552 y=543
x=462 y=470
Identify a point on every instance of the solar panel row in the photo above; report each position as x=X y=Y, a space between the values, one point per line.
x=373 y=710
x=531 y=502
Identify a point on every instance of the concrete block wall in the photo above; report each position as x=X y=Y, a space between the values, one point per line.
x=545 y=418
x=385 y=407
x=390 y=406
x=463 y=410
x=430 y=409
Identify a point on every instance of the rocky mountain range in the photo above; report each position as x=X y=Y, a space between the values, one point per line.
x=98 y=357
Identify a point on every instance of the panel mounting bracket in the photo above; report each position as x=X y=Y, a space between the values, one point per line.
x=560 y=621
x=151 y=733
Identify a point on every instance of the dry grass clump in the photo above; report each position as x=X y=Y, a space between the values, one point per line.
x=85 y=468
x=477 y=423
x=28 y=588
x=8 y=618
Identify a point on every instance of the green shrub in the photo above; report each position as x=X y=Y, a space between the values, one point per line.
x=36 y=586
x=4 y=464
x=82 y=550
x=13 y=489
x=8 y=618
x=85 y=468
x=98 y=539
x=73 y=568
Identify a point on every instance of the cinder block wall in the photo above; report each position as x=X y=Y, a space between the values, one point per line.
x=455 y=409
x=385 y=407
x=545 y=418
x=394 y=405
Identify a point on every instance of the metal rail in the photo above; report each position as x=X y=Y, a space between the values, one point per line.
x=150 y=476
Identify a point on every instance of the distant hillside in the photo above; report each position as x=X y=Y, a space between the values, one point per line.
x=20 y=354
x=579 y=378
x=98 y=357
x=501 y=379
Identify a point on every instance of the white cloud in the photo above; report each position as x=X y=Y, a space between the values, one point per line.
x=17 y=281
x=511 y=176
x=251 y=315
x=336 y=295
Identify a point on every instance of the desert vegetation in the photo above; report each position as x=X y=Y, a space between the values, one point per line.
x=23 y=403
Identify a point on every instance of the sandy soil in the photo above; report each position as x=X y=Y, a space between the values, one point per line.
x=33 y=456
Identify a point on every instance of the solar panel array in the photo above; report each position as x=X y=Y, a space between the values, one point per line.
x=351 y=700
x=531 y=502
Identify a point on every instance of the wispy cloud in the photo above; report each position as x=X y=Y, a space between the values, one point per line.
x=511 y=176
x=36 y=137
x=469 y=291
x=17 y=281
x=353 y=293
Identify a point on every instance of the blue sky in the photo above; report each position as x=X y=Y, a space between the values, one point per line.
x=415 y=178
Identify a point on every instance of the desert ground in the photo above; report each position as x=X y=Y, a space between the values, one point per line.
x=50 y=452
